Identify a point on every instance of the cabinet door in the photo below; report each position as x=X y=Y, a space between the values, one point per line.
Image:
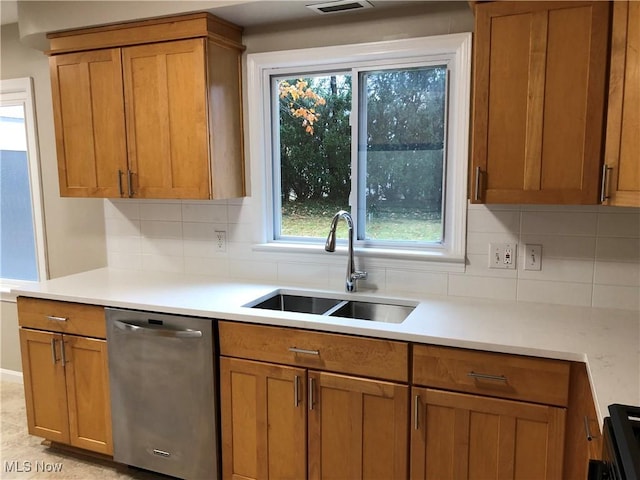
x=264 y=432
x=167 y=127
x=44 y=384
x=464 y=436
x=623 y=122
x=357 y=428
x=87 y=382
x=88 y=110
x=540 y=76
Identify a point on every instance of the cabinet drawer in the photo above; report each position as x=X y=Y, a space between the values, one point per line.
x=495 y=374
x=324 y=351
x=64 y=317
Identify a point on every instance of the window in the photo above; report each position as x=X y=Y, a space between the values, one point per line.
x=21 y=227
x=379 y=130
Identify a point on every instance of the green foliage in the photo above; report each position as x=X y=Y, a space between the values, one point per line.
x=404 y=143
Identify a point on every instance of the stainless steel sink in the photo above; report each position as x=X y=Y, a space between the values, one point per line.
x=377 y=312
x=297 y=303
x=336 y=307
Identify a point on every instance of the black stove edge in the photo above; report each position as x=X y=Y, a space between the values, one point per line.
x=627 y=443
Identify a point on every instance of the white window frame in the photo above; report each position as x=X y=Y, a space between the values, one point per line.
x=19 y=91
x=453 y=49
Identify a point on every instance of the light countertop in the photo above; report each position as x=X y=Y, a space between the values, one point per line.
x=608 y=340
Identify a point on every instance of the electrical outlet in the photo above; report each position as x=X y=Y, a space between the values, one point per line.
x=532 y=257
x=503 y=255
x=221 y=241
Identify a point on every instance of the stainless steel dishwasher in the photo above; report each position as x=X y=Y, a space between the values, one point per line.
x=163 y=407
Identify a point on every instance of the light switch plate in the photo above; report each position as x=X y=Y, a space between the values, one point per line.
x=532 y=257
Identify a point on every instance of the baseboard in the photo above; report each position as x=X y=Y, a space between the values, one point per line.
x=10 y=376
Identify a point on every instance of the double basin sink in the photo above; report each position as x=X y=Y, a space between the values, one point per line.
x=336 y=307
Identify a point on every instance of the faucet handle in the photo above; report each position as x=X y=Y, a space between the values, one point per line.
x=358 y=275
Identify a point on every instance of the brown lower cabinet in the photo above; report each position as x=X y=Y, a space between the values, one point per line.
x=291 y=423
x=67 y=389
x=66 y=377
x=459 y=436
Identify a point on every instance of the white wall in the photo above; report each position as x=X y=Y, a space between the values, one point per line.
x=591 y=255
x=75 y=229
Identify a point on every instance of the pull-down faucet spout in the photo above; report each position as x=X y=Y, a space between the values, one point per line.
x=330 y=246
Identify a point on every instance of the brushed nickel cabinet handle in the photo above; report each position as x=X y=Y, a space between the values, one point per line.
x=63 y=357
x=605 y=182
x=130 y=183
x=311 y=388
x=304 y=350
x=486 y=376
x=416 y=412
x=120 y=189
x=476 y=195
x=57 y=319
x=53 y=351
x=296 y=390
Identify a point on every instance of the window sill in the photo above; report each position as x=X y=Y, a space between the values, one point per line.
x=433 y=261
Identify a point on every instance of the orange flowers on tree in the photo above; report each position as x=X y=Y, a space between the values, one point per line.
x=301 y=101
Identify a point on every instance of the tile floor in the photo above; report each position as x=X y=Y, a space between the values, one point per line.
x=19 y=450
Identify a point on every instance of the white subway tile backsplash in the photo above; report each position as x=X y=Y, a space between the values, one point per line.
x=620 y=224
x=208 y=213
x=160 y=229
x=409 y=281
x=559 y=223
x=561 y=293
x=478 y=242
x=497 y=221
x=162 y=263
x=562 y=246
x=125 y=261
x=312 y=274
x=478 y=266
x=618 y=249
x=122 y=209
x=131 y=245
x=169 y=212
x=617 y=273
x=217 y=267
x=239 y=214
x=122 y=227
x=171 y=247
x=253 y=270
x=200 y=231
x=615 y=296
x=482 y=287
x=590 y=254
x=560 y=270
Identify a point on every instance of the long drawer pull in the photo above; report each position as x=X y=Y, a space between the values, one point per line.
x=311 y=389
x=486 y=376
x=296 y=390
x=57 y=319
x=416 y=412
x=53 y=351
x=304 y=350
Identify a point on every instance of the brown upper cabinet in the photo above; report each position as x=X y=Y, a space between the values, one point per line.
x=539 y=101
x=149 y=109
x=621 y=184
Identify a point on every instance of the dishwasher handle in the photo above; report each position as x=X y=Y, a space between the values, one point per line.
x=157 y=332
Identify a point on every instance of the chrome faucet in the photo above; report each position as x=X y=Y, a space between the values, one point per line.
x=330 y=246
